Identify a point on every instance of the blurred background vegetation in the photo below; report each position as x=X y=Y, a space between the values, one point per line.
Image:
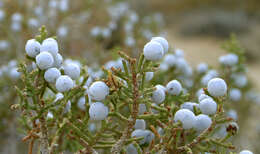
x=202 y=26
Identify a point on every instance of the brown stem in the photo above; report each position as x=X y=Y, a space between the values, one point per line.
x=88 y=149
x=116 y=149
x=198 y=139
x=44 y=144
x=31 y=146
x=53 y=143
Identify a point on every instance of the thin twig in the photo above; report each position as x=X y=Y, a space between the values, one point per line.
x=31 y=146
x=116 y=149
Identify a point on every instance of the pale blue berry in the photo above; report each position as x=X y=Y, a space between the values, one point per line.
x=98 y=111
x=246 y=152
x=53 y=4
x=240 y=80
x=32 y=48
x=139 y=133
x=12 y=63
x=68 y=107
x=202 y=68
x=59 y=96
x=64 y=83
x=148 y=135
x=148 y=76
x=205 y=79
x=72 y=70
x=51 y=75
x=130 y=41
x=232 y=114
x=14 y=74
x=106 y=32
x=111 y=64
x=188 y=82
x=213 y=73
x=2 y=15
x=33 y=66
x=33 y=23
x=153 y=51
x=98 y=90
x=199 y=92
x=174 y=87
x=44 y=60
x=186 y=117
x=58 y=60
x=49 y=115
x=179 y=53
x=16 y=26
x=89 y=81
x=92 y=127
x=217 y=87
x=202 y=122
x=64 y=5
x=50 y=45
x=235 y=95
x=181 y=64
x=163 y=66
x=208 y=106
x=229 y=59
x=131 y=149
x=133 y=17
x=95 y=31
x=4 y=45
x=81 y=103
x=189 y=105
x=62 y=31
x=160 y=131
x=142 y=109
x=17 y=17
x=158 y=96
x=161 y=87
x=140 y=124
x=203 y=96
x=163 y=42
x=170 y=60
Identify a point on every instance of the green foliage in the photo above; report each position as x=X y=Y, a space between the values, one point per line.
x=69 y=129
